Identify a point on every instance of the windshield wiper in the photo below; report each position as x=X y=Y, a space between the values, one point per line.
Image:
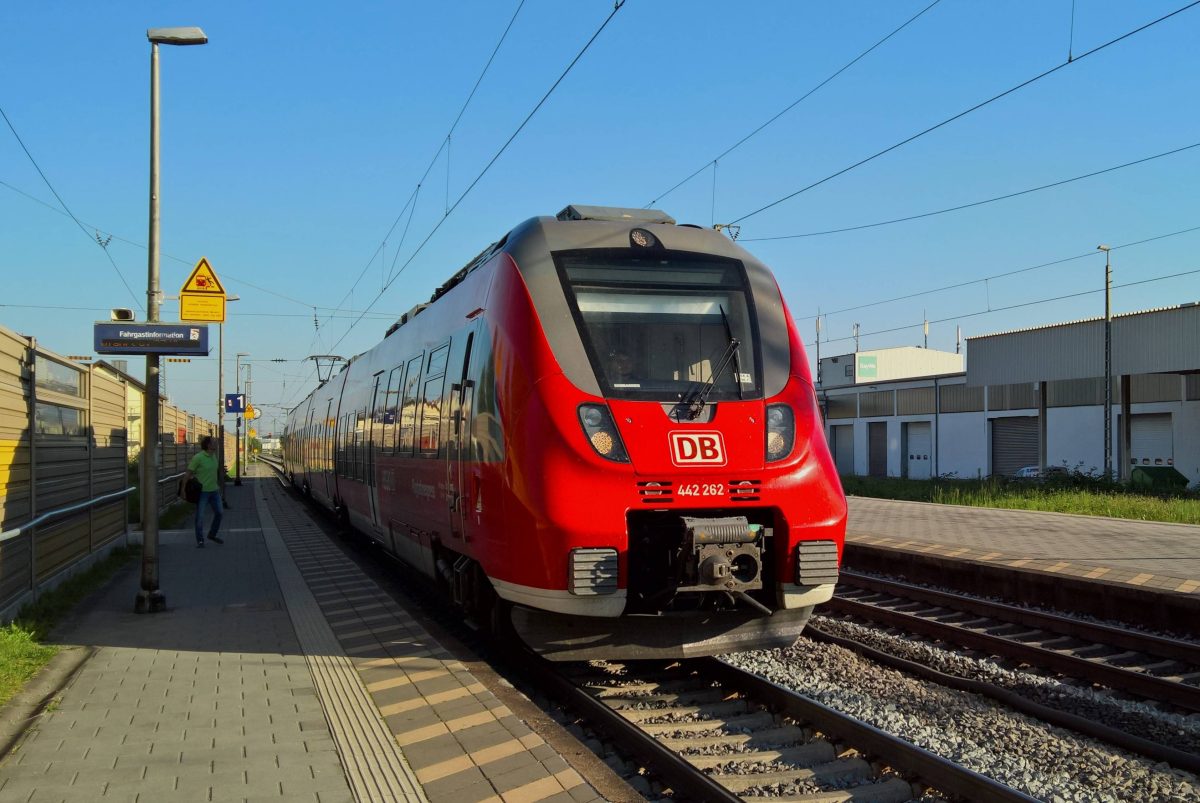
x=695 y=406
x=737 y=359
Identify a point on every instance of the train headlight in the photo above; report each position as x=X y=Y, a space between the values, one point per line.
x=781 y=431
x=602 y=433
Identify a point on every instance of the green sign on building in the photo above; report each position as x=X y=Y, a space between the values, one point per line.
x=868 y=367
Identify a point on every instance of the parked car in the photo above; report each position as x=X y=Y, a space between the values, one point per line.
x=1035 y=472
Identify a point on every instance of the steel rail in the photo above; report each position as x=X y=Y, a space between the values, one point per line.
x=1067 y=626
x=672 y=768
x=1157 y=751
x=934 y=770
x=1149 y=686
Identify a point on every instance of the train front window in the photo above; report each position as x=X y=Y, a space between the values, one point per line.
x=661 y=327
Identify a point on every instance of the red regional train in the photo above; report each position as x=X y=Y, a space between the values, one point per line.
x=602 y=433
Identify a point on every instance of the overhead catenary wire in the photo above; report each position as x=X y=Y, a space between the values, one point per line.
x=67 y=209
x=973 y=204
x=134 y=243
x=1008 y=307
x=963 y=113
x=792 y=105
x=616 y=7
x=443 y=146
x=984 y=279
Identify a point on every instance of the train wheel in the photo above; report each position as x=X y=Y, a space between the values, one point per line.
x=341 y=515
x=500 y=621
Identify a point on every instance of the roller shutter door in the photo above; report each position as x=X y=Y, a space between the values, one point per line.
x=877 y=448
x=1151 y=443
x=843 y=448
x=1014 y=444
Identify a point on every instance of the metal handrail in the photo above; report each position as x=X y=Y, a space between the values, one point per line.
x=62 y=511
x=8 y=534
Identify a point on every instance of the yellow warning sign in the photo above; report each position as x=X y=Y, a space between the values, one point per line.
x=253 y=433
x=203 y=280
x=208 y=307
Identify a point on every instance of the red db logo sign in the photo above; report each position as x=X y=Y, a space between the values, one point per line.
x=697 y=449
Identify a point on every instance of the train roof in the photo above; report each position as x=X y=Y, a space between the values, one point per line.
x=585 y=226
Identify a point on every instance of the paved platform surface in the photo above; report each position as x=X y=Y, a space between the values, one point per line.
x=1141 y=553
x=243 y=689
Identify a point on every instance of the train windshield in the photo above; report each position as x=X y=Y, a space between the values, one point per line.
x=663 y=327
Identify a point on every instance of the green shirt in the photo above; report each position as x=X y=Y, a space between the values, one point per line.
x=204 y=468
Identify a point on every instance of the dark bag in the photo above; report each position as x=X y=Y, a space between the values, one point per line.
x=191 y=490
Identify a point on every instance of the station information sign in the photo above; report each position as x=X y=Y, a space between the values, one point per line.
x=235 y=402
x=202 y=297
x=149 y=338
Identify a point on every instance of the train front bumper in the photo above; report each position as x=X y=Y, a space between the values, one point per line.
x=560 y=637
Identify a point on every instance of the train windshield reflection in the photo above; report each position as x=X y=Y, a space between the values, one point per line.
x=657 y=328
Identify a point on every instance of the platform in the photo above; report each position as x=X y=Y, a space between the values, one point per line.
x=1141 y=553
x=280 y=671
x=1091 y=564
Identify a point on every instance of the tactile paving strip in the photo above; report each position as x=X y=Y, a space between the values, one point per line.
x=375 y=767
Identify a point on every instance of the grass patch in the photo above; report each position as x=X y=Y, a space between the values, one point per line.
x=22 y=654
x=20 y=659
x=1079 y=495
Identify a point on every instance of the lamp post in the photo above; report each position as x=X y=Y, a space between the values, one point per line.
x=237 y=438
x=221 y=404
x=1107 y=362
x=150 y=598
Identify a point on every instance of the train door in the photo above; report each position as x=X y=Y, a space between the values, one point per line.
x=458 y=449
x=328 y=449
x=309 y=447
x=374 y=433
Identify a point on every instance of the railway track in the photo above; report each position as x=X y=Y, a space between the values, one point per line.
x=1159 y=669
x=1092 y=652
x=707 y=731
x=712 y=732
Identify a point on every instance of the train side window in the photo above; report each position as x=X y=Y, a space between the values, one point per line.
x=431 y=407
x=360 y=445
x=339 y=447
x=406 y=432
x=390 y=407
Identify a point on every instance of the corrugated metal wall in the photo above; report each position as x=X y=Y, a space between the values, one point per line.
x=843 y=406
x=1022 y=396
x=961 y=399
x=15 y=460
x=878 y=402
x=1152 y=388
x=1075 y=392
x=1142 y=343
x=64 y=441
x=915 y=401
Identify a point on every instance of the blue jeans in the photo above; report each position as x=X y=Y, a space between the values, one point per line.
x=213 y=500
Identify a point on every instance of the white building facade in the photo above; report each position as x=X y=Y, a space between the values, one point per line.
x=991 y=418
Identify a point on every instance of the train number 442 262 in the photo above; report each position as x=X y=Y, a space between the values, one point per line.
x=701 y=489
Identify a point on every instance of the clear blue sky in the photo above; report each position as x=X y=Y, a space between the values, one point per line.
x=294 y=139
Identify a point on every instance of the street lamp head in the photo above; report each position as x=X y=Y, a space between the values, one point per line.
x=1102 y=248
x=176 y=36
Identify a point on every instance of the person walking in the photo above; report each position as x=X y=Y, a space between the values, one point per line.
x=203 y=466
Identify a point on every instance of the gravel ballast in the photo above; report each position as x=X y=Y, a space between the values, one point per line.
x=1048 y=763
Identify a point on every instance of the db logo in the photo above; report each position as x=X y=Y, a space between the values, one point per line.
x=697 y=449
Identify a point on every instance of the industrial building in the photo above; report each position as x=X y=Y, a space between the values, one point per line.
x=1027 y=400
